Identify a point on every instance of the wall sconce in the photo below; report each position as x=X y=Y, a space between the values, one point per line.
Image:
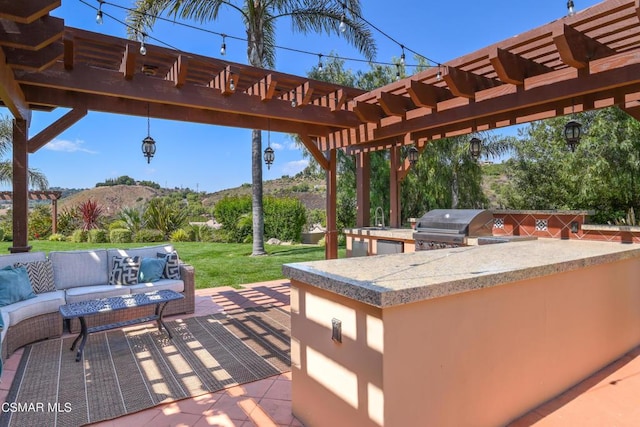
x=412 y=155
x=572 y=134
x=475 y=148
x=148 y=144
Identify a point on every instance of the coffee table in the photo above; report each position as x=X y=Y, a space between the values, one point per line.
x=83 y=309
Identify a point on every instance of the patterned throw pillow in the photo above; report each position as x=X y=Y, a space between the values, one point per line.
x=172 y=266
x=40 y=274
x=124 y=270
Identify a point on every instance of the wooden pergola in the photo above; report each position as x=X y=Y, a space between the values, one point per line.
x=586 y=61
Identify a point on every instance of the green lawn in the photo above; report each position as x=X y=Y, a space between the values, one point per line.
x=216 y=264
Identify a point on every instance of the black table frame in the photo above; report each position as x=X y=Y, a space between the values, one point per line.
x=83 y=309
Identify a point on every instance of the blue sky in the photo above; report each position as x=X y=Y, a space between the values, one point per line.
x=211 y=158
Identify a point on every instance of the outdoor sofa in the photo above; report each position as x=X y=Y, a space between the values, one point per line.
x=70 y=276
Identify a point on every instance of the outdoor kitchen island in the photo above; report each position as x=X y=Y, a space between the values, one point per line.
x=474 y=335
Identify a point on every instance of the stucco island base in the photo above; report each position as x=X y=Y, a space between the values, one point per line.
x=479 y=357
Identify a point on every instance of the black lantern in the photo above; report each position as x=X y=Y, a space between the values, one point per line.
x=572 y=133
x=269 y=156
x=412 y=155
x=148 y=144
x=148 y=148
x=475 y=146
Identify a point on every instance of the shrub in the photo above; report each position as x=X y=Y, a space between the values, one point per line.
x=180 y=236
x=57 y=237
x=90 y=212
x=117 y=224
x=79 y=236
x=284 y=218
x=147 y=235
x=97 y=235
x=120 y=235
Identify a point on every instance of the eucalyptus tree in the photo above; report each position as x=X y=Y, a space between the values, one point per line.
x=36 y=178
x=259 y=18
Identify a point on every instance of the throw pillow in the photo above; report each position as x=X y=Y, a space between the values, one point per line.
x=172 y=266
x=124 y=270
x=14 y=285
x=151 y=269
x=40 y=275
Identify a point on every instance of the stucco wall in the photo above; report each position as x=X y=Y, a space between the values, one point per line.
x=479 y=358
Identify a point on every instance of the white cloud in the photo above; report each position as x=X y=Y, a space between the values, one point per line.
x=292 y=168
x=277 y=146
x=68 y=146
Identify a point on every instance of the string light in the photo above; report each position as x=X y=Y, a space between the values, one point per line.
x=402 y=57
x=320 y=62
x=397 y=72
x=343 y=25
x=232 y=84
x=99 y=14
x=223 y=48
x=439 y=73
x=143 y=49
x=224 y=36
x=570 y=8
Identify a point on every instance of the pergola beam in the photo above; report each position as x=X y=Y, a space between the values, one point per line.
x=11 y=93
x=128 y=64
x=178 y=72
x=33 y=36
x=21 y=59
x=367 y=112
x=93 y=102
x=264 y=89
x=514 y=69
x=315 y=151
x=226 y=81
x=111 y=84
x=26 y=11
x=425 y=95
x=466 y=84
x=576 y=49
x=395 y=105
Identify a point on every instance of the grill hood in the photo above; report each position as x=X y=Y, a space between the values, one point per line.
x=466 y=222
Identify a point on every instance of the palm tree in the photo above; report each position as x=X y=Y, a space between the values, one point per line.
x=36 y=178
x=259 y=17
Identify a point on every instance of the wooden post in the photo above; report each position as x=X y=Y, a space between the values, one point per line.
x=331 y=240
x=394 y=190
x=363 y=189
x=20 y=187
x=54 y=216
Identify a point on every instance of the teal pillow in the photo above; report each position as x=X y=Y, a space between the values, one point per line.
x=151 y=269
x=14 y=285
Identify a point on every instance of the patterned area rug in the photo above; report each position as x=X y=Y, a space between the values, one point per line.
x=127 y=371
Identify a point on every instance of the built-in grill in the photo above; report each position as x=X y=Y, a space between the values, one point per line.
x=450 y=228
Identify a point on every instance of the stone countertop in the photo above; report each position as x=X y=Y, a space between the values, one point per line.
x=609 y=227
x=390 y=280
x=539 y=212
x=382 y=233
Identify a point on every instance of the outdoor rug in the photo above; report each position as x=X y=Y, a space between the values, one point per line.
x=127 y=371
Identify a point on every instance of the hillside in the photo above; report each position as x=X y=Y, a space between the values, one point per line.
x=311 y=192
x=114 y=198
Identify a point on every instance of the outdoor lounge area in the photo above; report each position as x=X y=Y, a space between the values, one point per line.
x=542 y=332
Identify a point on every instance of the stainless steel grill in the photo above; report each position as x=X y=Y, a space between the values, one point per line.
x=450 y=228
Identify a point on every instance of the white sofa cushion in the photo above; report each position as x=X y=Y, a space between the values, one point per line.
x=79 y=268
x=45 y=303
x=171 y=284
x=24 y=257
x=84 y=293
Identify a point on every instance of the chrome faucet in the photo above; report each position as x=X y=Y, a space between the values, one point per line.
x=375 y=217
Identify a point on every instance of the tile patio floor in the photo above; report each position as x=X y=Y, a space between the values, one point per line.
x=610 y=397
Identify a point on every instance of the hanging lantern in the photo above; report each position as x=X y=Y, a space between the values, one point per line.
x=475 y=147
x=412 y=155
x=572 y=134
x=148 y=144
x=269 y=156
